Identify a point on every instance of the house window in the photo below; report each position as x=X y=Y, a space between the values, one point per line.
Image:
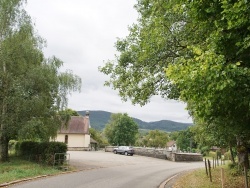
x=66 y=139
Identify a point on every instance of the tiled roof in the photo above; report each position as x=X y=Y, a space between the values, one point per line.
x=170 y=143
x=76 y=125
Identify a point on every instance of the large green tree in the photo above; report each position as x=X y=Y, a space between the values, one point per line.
x=214 y=79
x=153 y=42
x=32 y=88
x=155 y=138
x=121 y=130
x=204 y=47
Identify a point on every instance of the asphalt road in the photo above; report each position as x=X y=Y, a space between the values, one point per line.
x=108 y=170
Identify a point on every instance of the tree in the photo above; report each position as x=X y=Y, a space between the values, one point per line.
x=153 y=43
x=32 y=88
x=156 y=138
x=99 y=137
x=204 y=47
x=214 y=79
x=121 y=130
x=185 y=140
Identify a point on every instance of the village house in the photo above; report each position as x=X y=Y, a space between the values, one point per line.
x=76 y=134
x=171 y=146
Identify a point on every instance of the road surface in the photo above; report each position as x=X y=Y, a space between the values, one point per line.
x=108 y=170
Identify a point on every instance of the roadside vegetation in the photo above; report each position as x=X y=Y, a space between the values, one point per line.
x=18 y=169
x=198 y=178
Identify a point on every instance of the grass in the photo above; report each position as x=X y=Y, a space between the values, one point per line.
x=198 y=178
x=18 y=169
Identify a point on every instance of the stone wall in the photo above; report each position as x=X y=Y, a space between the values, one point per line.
x=187 y=157
x=162 y=154
x=79 y=148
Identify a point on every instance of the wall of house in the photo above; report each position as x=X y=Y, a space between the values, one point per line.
x=75 y=141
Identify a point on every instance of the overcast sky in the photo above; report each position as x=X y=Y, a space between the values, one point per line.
x=82 y=33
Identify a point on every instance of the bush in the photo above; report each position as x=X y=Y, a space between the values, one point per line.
x=212 y=154
x=12 y=146
x=227 y=156
x=42 y=151
x=234 y=169
x=205 y=150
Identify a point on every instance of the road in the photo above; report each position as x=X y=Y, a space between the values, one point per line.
x=108 y=170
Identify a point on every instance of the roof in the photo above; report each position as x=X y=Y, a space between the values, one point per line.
x=93 y=141
x=170 y=143
x=76 y=125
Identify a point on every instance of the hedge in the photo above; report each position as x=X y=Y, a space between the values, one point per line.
x=42 y=152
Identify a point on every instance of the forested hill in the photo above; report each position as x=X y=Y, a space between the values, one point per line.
x=98 y=120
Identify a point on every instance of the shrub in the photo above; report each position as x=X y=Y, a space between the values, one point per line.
x=42 y=151
x=234 y=169
x=204 y=150
x=227 y=156
x=212 y=154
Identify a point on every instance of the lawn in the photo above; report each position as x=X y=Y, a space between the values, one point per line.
x=18 y=169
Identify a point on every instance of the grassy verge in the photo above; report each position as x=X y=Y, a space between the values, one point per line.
x=18 y=169
x=198 y=178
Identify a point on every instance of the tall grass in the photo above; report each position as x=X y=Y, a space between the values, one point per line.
x=199 y=179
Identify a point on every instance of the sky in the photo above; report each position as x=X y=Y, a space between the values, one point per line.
x=82 y=33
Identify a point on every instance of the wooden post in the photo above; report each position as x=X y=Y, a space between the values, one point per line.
x=217 y=159
x=209 y=169
x=206 y=166
x=245 y=173
x=222 y=178
x=213 y=162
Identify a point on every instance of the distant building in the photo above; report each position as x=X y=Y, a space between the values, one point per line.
x=171 y=146
x=76 y=134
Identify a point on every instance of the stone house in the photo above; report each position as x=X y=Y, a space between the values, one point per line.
x=171 y=146
x=76 y=134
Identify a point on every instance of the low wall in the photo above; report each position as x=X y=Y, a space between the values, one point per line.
x=79 y=148
x=162 y=154
x=187 y=157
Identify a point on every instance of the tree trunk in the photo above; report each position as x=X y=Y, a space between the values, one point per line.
x=242 y=153
x=4 y=142
x=232 y=155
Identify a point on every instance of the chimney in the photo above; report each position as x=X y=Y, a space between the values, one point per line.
x=87 y=115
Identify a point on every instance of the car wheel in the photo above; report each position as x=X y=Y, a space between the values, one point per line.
x=131 y=154
x=125 y=153
x=115 y=152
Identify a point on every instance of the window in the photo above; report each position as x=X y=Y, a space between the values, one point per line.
x=66 y=139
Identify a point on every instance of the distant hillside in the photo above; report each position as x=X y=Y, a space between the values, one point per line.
x=98 y=120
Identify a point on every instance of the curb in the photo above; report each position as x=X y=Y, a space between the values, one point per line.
x=162 y=185
x=38 y=177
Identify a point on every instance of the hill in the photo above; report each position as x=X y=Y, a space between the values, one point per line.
x=98 y=120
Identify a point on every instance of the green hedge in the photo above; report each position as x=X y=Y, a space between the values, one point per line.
x=42 y=152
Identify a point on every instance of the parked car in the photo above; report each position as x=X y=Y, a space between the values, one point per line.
x=125 y=150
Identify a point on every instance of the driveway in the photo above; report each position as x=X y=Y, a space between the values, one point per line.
x=108 y=170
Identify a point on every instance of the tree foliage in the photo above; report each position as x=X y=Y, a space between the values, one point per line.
x=214 y=79
x=121 y=130
x=204 y=47
x=98 y=137
x=156 y=138
x=33 y=89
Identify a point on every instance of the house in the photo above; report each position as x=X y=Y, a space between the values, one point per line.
x=171 y=146
x=76 y=134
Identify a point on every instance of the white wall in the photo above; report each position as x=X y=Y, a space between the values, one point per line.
x=75 y=140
